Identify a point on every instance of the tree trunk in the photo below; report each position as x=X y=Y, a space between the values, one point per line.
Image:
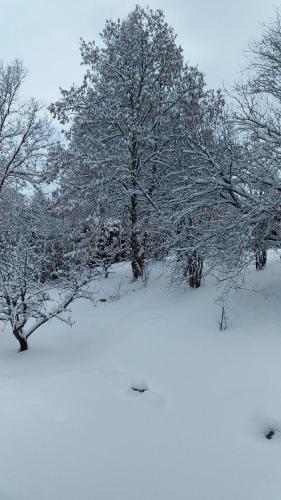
x=194 y=270
x=137 y=253
x=261 y=257
x=137 y=257
x=22 y=341
x=137 y=261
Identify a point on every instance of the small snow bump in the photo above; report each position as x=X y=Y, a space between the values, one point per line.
x=140 y=387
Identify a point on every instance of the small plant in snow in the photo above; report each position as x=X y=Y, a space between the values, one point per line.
x=223 y=319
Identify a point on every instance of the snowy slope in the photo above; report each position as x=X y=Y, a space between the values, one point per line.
x=73 y=429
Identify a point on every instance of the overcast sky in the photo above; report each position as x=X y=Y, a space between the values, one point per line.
x=45 y=34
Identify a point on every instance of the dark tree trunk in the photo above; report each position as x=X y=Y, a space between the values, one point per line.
x=137 y=261
x=261 y=257
x=137 y=257
x=137 y=253
x=22 y=341
x=194 y=270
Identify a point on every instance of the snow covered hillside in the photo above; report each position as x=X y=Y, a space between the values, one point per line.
x=72 y=427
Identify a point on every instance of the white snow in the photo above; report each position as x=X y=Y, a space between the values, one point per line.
x=73 y=429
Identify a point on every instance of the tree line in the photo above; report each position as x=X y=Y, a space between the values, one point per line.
x=151 y=165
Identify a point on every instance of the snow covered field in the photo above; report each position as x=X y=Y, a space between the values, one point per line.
x=72 y=428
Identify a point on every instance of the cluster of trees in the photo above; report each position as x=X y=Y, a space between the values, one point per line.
x=152 y=164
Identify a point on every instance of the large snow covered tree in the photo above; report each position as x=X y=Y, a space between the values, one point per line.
x=236 y=176
x=24 y=132
x=29 y=235
x=225 y=194
x=258 y=119
x=120 y=137
x=244 y=182
x=189 y=201
x=218 y=201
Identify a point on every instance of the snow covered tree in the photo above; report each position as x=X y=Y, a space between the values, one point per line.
x=26 y=303
x=120 y=137
x=24 y=133
x=220 y=200
x=189 y=203
x=249 y=188
x=258 y=117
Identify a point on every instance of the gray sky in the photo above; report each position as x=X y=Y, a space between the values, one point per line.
x=45 y=34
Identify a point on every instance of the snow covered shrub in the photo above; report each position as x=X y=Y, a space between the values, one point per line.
x=109 y=246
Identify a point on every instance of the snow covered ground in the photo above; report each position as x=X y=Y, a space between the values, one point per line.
x=72 y=428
